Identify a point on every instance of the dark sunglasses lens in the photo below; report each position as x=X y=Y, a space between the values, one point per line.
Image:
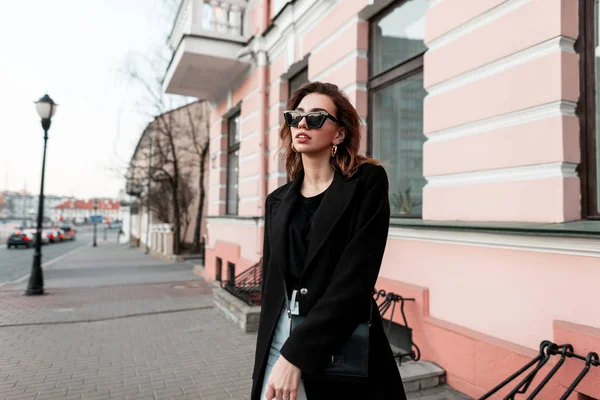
x=315 y=120
x=292 y=118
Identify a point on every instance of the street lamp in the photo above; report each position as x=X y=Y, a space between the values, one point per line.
x=95 y=220
x=133 y=189
x=46 y=107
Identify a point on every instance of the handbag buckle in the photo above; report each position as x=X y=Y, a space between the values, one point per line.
x=338 y=358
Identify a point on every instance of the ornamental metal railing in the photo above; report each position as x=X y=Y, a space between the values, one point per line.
x=547 y=351
x=246 y=286
x=400 y=336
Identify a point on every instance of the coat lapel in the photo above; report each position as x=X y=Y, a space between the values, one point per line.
x=336 y=200
x=279 y=218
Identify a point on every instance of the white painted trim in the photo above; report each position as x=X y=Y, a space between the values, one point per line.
x=273 y=152
x=277 y=174
x=248 y=199
x=235 y=221
x=248 y=178
x=219 y=169
x=354 y=87
x=252 y=93
x=250 y=135
x=276 y=105
x=249 y=157
x=218 y=186
x=522 y=57
x=511 y=174
x=584 y=247
x=332 y=67
x=249 y=116
x=544 y=111
x=218 y=137
x=217 y=202
x=476 y=23
x=335 y=35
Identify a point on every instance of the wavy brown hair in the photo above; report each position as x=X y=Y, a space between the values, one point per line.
x=346 y=160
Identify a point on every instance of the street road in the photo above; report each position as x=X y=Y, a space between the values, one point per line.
x=16 y=263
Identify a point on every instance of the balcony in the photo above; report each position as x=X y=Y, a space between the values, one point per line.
x=207 y=37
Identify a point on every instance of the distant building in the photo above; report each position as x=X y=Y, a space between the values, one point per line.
x=80 y=211
x=24 y=206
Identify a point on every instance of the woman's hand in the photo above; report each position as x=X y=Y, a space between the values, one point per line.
x=284 y=381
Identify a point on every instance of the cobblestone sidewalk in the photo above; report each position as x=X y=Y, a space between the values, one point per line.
x=164 y=354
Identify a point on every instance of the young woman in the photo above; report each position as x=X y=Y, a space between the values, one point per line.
x=325 y=234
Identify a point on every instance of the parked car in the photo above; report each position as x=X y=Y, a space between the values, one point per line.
x=68 y=232
x=17 y=239
x=53 y=235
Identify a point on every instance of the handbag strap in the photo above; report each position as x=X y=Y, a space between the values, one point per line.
x=289 y=309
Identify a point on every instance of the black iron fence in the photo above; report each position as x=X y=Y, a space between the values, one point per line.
x=247 y=285
x=547 y=351
x=399 y=336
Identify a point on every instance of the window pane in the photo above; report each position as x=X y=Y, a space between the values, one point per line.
x=298 y=80
x=398 y=141
x=234 y=129
x=398 y=36
x=597 y=64
x=232 y=182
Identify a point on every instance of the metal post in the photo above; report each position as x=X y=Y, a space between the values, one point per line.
x=25 y=206
x=94 y=244
x=105 y=231
x=130 y=222
x=36 y=279
x=148 y=195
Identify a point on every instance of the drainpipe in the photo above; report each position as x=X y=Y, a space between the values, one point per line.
x=263 y=129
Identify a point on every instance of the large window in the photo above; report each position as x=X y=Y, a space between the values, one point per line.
x=589 y=48
x=233 y=163
x=297 y=81
x=396 y=98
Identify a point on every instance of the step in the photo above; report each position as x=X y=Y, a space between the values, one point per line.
x=421 y=375
x=442 y=392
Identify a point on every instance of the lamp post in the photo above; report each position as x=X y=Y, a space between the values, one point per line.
x=95 y=221
x=148 y=199
x=133 y=190
x=46 y=107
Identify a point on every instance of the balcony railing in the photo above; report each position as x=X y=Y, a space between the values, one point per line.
x=216 y=18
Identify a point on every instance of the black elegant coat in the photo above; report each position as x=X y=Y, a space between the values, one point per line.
x=344 y=256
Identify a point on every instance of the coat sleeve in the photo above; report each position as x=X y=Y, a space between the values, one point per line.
x=336 y=314
x=266 y=247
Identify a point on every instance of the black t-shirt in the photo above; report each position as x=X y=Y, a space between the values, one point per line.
x=300 y=223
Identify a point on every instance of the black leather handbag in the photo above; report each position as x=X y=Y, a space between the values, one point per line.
x=352 y=360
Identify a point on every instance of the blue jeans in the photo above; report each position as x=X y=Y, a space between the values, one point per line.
x=282 y=331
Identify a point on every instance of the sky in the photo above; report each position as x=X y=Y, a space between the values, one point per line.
x=76 y=51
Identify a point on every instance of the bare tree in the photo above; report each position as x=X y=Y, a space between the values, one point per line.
x=200 y=147
x=178 y=136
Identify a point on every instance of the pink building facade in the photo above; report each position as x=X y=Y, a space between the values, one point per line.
x=484 y=113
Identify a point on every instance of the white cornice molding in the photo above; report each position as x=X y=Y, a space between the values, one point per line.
x=511 y=174
x=549 y=110
x=476 y=23
x=585 y=247
x=493 y=68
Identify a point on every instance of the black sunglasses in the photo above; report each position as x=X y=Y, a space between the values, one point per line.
x=314 y=119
